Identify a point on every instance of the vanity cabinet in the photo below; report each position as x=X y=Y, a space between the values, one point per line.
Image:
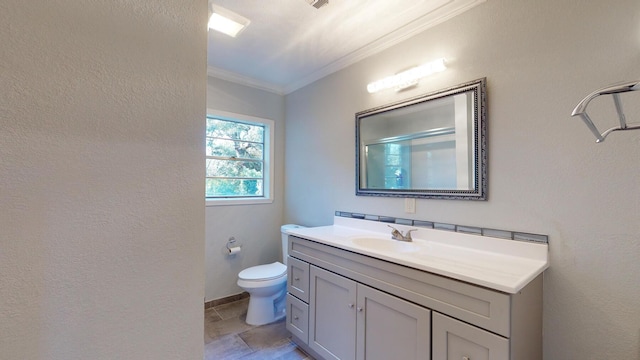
x=332 y=315
x=360 y=307
x=390 y=328
x=298 y=298
x=348 y=320
x=298 y=278
x=455 y=340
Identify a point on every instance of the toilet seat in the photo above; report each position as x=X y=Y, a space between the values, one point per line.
x=264 y=272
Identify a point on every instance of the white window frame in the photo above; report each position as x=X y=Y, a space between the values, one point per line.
x=269 y=145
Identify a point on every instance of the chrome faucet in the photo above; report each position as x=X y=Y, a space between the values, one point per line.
x=397 y=234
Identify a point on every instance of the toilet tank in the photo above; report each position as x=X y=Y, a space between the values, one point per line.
x=284 y=230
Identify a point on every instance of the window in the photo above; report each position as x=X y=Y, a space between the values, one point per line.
x=239 y=159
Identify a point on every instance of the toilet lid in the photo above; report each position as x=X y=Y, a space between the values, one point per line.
x=263 y=272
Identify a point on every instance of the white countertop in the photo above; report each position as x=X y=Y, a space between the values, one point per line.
x=499 y=264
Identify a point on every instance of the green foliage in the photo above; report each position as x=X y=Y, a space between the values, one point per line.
x=235 y=160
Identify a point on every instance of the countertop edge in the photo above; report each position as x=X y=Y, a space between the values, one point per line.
x=319 y=235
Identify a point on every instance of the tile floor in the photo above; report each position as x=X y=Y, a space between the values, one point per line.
x=227 y=336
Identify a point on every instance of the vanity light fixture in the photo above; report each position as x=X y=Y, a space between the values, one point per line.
x=226 y=21
x=408 y=77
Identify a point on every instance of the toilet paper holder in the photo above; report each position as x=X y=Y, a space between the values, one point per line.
x=231 y=247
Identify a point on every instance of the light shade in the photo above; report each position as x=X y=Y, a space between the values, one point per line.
x=226 y=21
x=407 y=78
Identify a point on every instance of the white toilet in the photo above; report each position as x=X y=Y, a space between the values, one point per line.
x=267 y=286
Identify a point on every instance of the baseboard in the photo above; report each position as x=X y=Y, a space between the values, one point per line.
x=225 y=300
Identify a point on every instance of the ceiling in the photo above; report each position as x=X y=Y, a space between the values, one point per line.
x=290 y=44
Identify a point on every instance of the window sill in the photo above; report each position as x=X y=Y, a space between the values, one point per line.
x=238 y=201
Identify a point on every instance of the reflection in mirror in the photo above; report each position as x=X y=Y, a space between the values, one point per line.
x=431 y=146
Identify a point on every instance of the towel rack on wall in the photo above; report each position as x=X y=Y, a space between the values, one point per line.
x=613 y=90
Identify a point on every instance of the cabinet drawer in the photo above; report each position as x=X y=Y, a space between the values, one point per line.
x=455 y=340
x=298 y=318
x=298 y=278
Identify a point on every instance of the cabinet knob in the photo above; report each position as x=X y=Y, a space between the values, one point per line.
x=295 y=317
x=350 y=306
x=466 y=358
x=359 y=309
x=296 y=278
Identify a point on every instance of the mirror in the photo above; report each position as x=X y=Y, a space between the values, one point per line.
x=430 y=146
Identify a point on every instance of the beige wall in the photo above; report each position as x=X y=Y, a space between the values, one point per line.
x=101 y=179
x=546 y=174
x=255 y=227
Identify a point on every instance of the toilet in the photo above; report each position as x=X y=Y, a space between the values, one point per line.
x=267 y=286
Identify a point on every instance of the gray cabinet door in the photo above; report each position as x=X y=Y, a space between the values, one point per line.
x=332 y=315
x=455 y=340
x=391 y=328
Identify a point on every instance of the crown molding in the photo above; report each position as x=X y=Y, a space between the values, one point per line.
x=448 y=10
x=218 y=73
x=440 y=15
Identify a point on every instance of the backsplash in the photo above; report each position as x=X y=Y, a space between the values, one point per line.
x=504 y=234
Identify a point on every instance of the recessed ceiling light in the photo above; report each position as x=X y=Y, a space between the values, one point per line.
x=226 y=21
x=318 y=3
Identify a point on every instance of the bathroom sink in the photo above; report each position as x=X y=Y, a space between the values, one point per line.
x=386 y=245
x=495 y=263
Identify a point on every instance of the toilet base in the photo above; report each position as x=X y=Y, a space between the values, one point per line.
x=265 y=310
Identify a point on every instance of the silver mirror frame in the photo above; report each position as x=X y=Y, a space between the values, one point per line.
x=479 y=192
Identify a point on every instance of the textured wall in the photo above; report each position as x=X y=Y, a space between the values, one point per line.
x=256 y=227
x=101 y=179
x=546 y=174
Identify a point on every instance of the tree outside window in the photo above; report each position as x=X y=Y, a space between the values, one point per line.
x=235 y=159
